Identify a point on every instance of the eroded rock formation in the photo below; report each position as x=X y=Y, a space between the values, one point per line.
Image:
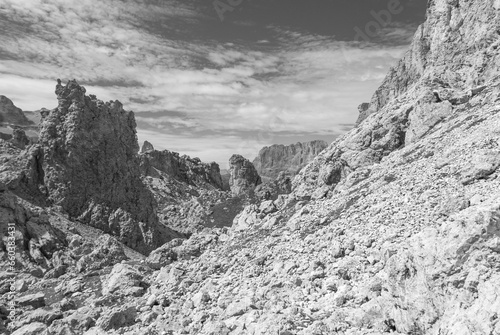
x=424 y=89
x=12 y=115
x=243 y=175
x=287 y=158
x=91 y=167
x=183 y=168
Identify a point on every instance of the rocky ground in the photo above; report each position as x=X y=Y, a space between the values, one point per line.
x=394 y=228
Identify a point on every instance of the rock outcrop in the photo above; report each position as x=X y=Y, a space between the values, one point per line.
x=243 y=176
x=92 y=170
x=188 y=191
x=12 y=115
x=287 y=158
x=183 y=168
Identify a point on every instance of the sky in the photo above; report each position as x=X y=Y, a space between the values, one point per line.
x=210 y=78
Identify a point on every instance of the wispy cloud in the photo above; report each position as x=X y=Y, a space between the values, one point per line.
x=201 y=97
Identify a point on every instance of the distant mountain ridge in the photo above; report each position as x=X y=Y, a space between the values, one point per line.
x=288 y=158
x=183 y=168
x=12 y=115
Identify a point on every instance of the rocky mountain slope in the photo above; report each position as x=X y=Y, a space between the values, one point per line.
x=288 y=158
x=394 y=228
x=12 y=118
x=189 y=193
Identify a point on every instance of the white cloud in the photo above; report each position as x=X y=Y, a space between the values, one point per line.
x=307 y=84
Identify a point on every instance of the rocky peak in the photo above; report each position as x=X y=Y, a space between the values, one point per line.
x=450 y=60
x=188 y=170
x=243 y=175
x=288 y=158
x=91 y=167
x=146 y=146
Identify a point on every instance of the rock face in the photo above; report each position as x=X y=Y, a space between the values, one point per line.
x=12 y=115
x=91 y=167
x=288 y=158
x=183 y=168
x=243 y=175
x=272 y=189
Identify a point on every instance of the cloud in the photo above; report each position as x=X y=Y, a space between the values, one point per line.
x=205 y=98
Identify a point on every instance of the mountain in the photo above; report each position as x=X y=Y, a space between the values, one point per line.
x=288 y=158
x=243 y=176
x=12 y=115
x=394 y=228
x=184 y=168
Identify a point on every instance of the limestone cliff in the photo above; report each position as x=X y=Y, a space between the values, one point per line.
x=452 y=56
x=287 y=158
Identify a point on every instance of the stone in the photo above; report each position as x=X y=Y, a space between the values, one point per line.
x=164 y=255
x=239 y=307
x=19 y=138
x=146 y=146
x=43 y=316
x=12 y=115
x=200 y=298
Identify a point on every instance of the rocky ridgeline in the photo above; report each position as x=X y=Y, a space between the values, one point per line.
x=394 y=228
x=184 y=168
x=277 y=158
